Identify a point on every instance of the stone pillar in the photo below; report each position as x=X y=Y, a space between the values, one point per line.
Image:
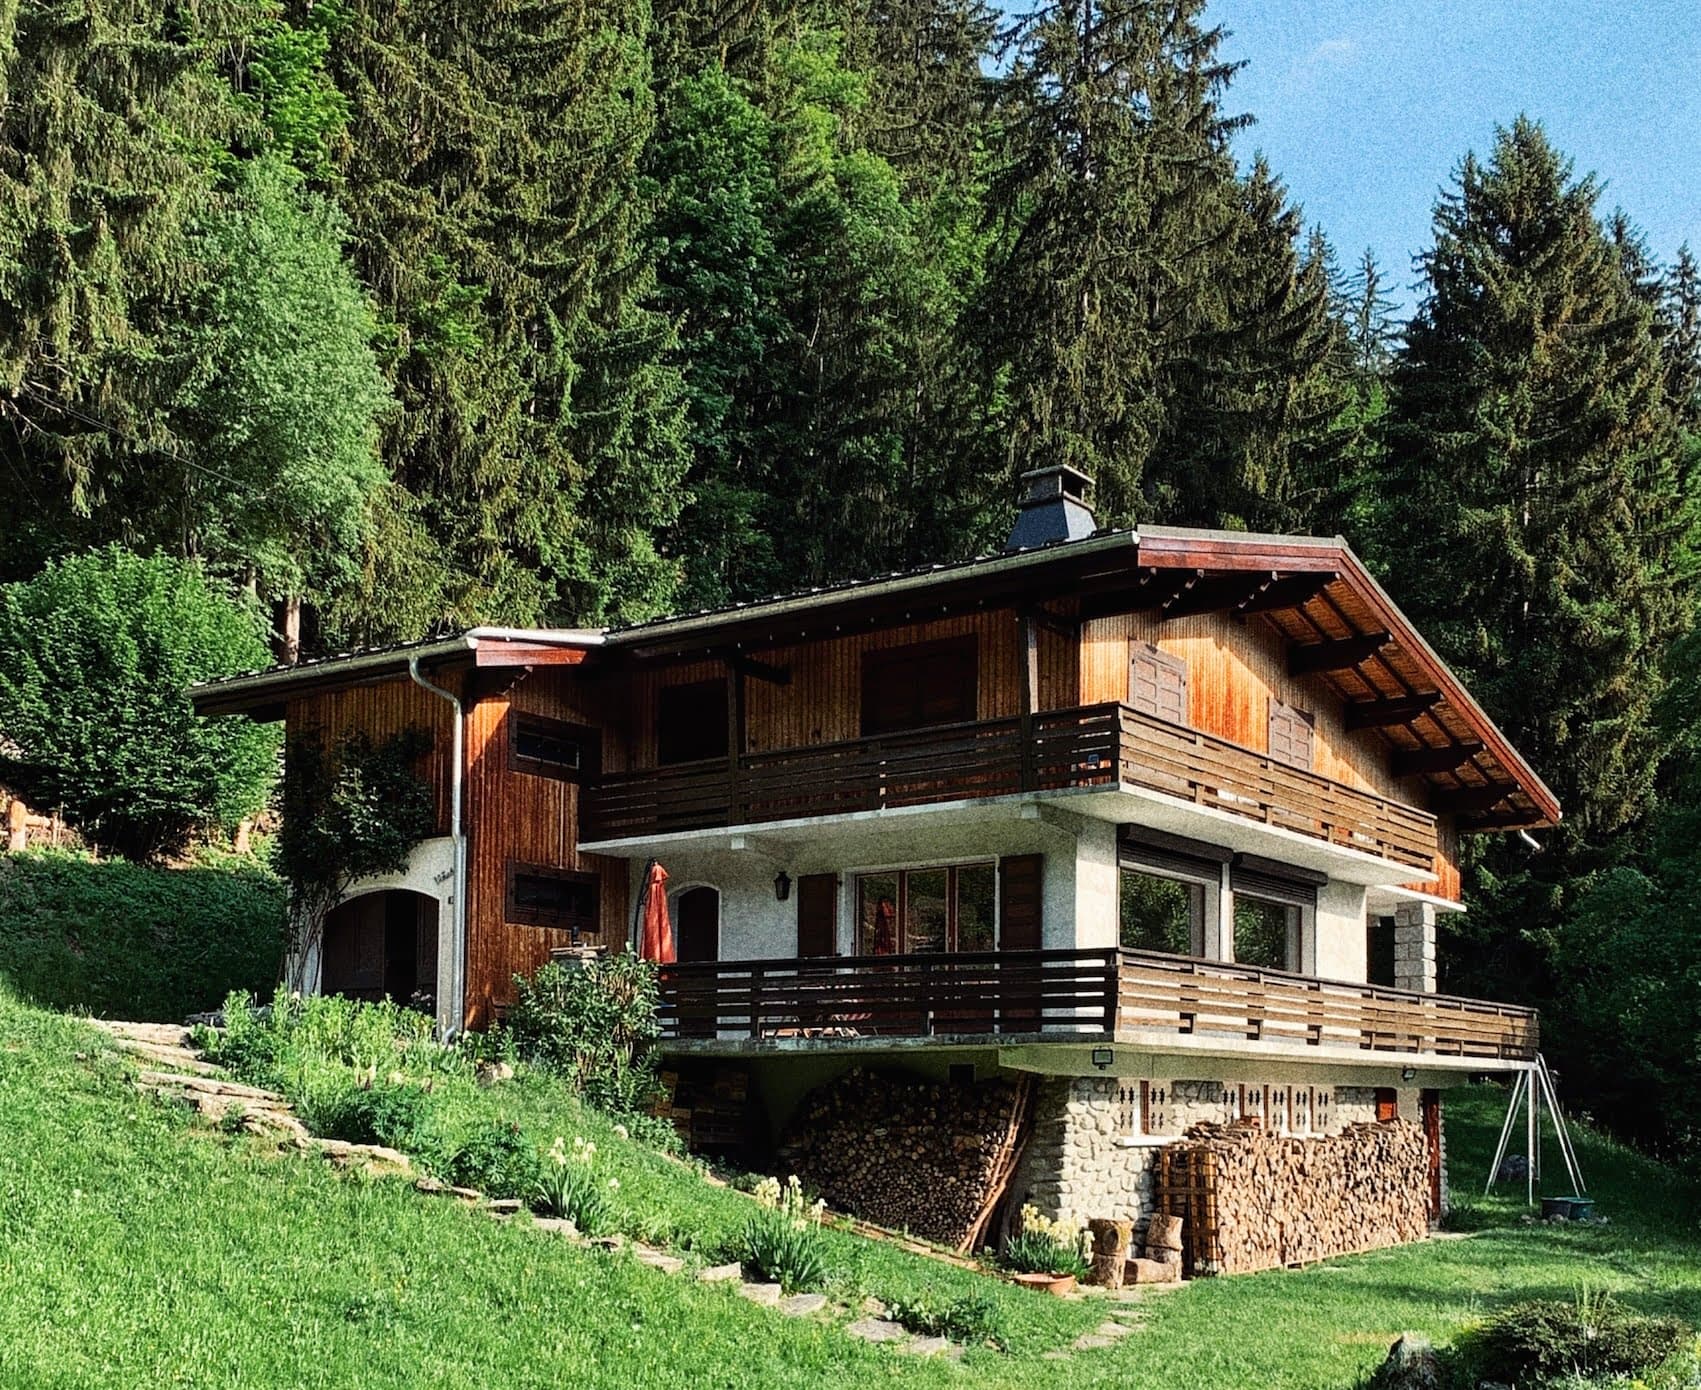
x=1414 y=947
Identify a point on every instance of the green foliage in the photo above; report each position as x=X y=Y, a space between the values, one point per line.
x=302 y=111
x=281 y=391
x=571 y=1188
x=1040 y=1245
x=592 y=1023
x=97 y=654
x=497 y=1160
x=349 y=812
x=126 y=941
x=971 y=1319
x=781 y=1242
x=1592 y=1337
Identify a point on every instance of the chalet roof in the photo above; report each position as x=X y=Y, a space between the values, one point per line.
x=1339 y=624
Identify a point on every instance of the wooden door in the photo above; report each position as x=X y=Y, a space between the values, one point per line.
x=1430 y=1103
x=818 y=915
x=699 y=924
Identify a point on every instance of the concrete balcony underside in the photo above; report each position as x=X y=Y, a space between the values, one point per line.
x=1104 y=762
x=1074 y=1000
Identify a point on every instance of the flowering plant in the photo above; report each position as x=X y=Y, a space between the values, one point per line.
x=781 y=1243
x=1043 y=1245
x=569 y=1187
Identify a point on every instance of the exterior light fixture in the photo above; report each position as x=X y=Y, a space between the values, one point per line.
x=1408 y=1074
x=1103 y=1057
x=782 y=886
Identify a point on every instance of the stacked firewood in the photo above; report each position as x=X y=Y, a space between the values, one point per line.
x=927 y=1158
x=1259 y=1200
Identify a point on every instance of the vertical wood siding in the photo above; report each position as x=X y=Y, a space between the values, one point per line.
x=525 y=818
x=382 y=711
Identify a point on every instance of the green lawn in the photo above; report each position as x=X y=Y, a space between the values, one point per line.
x=135 y=1251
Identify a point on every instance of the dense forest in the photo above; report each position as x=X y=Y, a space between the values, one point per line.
x=393 y=318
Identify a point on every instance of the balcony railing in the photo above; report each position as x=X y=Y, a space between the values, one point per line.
x=1104 y=746
x=1074 y=996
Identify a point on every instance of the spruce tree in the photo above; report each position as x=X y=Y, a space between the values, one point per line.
x=1534 y=480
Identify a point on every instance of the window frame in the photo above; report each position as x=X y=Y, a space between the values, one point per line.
x=577 y=925
x=582 y=736
x=952 y=870
x=879 y=662
x=676 y=691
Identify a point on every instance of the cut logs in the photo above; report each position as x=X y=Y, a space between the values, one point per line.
x=924 y=1157
x=1257 y=1201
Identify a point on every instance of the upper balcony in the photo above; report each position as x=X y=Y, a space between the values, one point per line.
x=1108 y=748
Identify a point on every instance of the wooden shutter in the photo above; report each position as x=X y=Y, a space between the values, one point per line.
x=1020 y=893
x=818 y=915
x=919 y=685
x=1291 y=738
x=691 y=721
x=1387 y=1105
x=1157 y=683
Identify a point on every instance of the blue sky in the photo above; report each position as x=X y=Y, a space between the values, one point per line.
x=1365 y=107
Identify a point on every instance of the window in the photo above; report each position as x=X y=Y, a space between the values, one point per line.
x=691 y=722
x=550 y=747
x=920 y=685
x=561 y=899
x=1157 y=683
x=1290 y=735
x=1265 y=933
x=1160 y=914
x=1379 y=951
x=925 y=910
x=1387 y=1105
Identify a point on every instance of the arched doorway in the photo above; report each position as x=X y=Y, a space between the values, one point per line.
x=697 y=917
x=382 y=945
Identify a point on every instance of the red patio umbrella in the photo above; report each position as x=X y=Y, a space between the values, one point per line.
x=656 y=942
x=885 y=928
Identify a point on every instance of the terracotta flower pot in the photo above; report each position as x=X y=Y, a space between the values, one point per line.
x=1058 y=1284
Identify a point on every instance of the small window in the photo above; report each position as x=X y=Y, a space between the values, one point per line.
x=550 y=747
x=1291 y=736
x=561 y=899
x=1387 y=1105
x=1157 y=683
x=691 y=722
x=921 y=685
x=1266 y=934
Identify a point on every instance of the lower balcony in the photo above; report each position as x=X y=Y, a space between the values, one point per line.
x=1090 y=996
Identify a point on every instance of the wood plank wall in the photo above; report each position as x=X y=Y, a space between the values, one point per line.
x=822 y=702
x=383 y=710
x=528 y=819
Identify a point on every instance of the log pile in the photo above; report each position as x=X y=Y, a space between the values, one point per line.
x=1258 y=1201
x=928 y=1158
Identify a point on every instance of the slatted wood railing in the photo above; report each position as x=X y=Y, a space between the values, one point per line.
x=1094 y=746
x=1090 y=995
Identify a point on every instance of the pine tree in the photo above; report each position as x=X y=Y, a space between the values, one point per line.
x=1681 y=305
x=1372 y=330
x=1532 y=435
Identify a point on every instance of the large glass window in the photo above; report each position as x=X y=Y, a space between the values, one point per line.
x=950 y=908
x=1159 y=913
x=1266 y=933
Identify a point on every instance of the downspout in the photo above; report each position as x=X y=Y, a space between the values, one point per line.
x=458 y=917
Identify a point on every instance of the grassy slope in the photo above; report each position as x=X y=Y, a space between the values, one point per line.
x=134 y=1252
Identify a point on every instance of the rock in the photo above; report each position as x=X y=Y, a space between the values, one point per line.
x=503 y=1206
x=876 y=1330
x=802 y=1304
x=490 y=1073
x=1112 y=1329
x=768 y=1295
x=432 y=1188
x=873 y=1307
x=928 y=1346
x=720 y=1274
x=656 y=1259
x=1411 y=1365
x=1091 y=1341
x=556 y=1225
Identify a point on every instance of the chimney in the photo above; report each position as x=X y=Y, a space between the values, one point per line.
x=1052 y=508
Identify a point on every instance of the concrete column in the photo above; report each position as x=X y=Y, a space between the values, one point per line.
x=1414 y=947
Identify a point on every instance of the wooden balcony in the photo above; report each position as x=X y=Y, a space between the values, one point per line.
x=1092 y=996
x=1102 y=746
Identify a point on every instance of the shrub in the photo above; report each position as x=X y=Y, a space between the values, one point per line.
x=1042 y=1246
x=593 y=1023
x=1593 y=1337
x=496 y=1159
x=128 y=941
x=781 y=1243
x=971 y=1318
x=97 y=653
x=570 y=1188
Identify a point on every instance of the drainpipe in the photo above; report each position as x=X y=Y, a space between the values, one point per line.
x=457 y=990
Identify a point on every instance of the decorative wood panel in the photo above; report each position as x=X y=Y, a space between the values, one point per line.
x=382 y=711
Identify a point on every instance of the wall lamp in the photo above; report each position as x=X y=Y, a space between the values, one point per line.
x=782 y=886
x=1408 y=1073
x=1103 y=1057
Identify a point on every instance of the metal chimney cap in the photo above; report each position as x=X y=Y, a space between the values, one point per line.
x=1051 y=509
x=1054 y=480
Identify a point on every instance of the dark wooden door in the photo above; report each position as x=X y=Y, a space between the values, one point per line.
x=1430 y=1103
x=818 y=915
x=699 y=924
